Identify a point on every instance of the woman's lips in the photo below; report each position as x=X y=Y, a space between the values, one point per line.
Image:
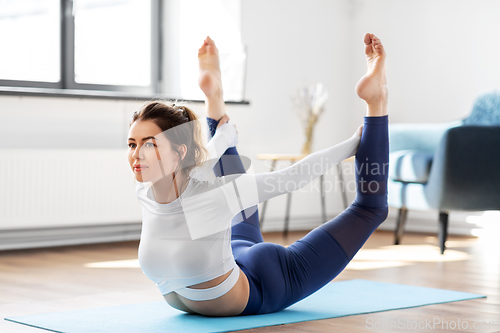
x=139 y=169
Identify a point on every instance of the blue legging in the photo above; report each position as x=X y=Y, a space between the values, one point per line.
x=281 y=276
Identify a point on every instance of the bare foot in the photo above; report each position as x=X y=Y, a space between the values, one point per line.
x=372 y=87
x=209 y=78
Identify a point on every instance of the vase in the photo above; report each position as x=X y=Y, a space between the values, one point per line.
x=309 y=133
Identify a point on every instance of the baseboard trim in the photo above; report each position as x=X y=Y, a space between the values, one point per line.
x=62 y=236
x=418 y=221
x=427 y=222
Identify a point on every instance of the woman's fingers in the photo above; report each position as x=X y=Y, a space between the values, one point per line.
x=359 y=130
x=224 y=119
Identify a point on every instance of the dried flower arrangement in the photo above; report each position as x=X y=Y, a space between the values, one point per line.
x=309 y=104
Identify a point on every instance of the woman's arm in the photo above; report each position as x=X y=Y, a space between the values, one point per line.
x=248 y=189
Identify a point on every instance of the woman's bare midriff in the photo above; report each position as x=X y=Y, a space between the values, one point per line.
x=231 y=303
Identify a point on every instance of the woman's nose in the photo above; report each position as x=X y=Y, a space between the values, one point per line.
x=136 y=153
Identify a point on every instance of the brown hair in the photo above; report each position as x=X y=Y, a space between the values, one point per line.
x=168 y=117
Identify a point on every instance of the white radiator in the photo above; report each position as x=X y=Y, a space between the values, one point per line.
x=49 y=192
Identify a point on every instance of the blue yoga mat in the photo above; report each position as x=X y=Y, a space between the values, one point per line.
x=336 y=299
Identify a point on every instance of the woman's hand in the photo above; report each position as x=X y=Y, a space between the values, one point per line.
x=223 y=120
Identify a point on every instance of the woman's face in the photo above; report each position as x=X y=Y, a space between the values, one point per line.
x=149 y=148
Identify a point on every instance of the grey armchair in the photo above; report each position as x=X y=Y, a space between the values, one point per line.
x=446 y=166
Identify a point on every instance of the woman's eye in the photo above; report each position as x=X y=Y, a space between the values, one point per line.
x=147 y=144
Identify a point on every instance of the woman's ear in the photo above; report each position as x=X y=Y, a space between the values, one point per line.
x=182 y=151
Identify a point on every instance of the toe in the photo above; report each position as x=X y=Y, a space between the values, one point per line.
x=203 y=48
x=377 y=45
x=379 y=48
x=368 y=38
x=211 y=49
x=209 y=41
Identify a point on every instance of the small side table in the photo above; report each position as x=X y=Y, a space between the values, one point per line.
x=297 y=157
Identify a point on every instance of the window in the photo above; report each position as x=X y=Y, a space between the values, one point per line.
x=81 y=44
x=30 y=42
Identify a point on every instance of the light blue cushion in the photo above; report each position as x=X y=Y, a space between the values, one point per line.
x=409 y=195
x=410 y=166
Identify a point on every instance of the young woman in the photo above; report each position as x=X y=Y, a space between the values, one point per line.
x=201 y=243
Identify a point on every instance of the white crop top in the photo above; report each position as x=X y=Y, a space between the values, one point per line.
x=188 y=241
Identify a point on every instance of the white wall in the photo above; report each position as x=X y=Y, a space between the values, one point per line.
x=64 y=123
x=292 y=44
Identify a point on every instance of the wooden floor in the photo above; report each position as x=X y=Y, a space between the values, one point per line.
x=78 y=277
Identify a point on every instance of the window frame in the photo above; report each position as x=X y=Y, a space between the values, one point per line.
x=67 y=82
